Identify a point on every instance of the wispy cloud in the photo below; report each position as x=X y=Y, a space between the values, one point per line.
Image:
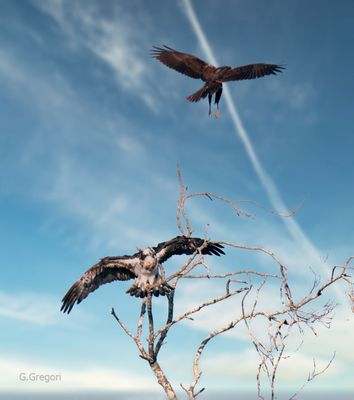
x=297 y=96
x=29 y=307
x=113 y=39
x=269 y=185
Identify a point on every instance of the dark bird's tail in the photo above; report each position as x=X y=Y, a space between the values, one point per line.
x=199 y=94
x=162 y=290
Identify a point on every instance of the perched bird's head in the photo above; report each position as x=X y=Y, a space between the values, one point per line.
x=148 y=251
x=148 y=259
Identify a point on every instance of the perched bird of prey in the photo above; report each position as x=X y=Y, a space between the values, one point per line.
x=143 y=265
x=213 y=77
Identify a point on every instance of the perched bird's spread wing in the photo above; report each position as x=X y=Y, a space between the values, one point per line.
x=107 y=270
x=250 y=71
x=185 y=245
x=185 y=63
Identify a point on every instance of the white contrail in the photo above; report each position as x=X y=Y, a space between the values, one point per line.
x=273 y=194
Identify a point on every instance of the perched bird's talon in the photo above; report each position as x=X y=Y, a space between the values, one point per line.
x=217 y=114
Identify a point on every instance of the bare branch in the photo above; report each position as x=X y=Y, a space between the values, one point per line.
x=136 y=339
x=150 y=338
x=228 y=274
x=141 y=320
x=180 y=207
x=198 y=308
x=126 y=330
x=313 y=374
x=164 y=330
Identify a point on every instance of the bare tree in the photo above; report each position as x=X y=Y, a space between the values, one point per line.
x=292 y=317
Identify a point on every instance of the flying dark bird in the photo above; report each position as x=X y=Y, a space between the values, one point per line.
x=144 y=266
x=213 y=77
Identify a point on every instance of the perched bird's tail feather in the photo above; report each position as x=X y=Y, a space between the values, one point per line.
x=162 y=290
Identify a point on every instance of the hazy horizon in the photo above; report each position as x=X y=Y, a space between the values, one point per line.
x=213 y=395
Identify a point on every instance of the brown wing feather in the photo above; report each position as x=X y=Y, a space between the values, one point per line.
x=185 y=245
x=250 y=71
x=184 y=63
x=107 y=270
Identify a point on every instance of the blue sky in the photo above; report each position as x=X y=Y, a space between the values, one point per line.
x=92 y=129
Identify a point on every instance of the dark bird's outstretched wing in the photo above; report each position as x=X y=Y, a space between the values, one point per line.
x=250 y=71
x=185 y=245
x=107 y=270
x=184 y=63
